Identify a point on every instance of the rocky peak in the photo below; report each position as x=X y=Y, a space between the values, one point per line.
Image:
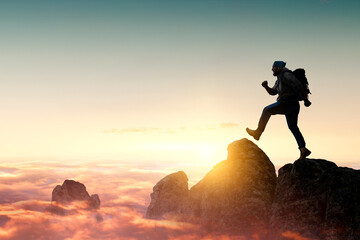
x=310 y=199
x=71 y=190
x=243 y=185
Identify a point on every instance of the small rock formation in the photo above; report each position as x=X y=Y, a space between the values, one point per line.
x=235 y=196
x=74 y=191
x=94 y=201
x=318 y=200
x=168 y=194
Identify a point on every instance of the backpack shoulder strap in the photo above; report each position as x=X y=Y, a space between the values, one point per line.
x=282 y=76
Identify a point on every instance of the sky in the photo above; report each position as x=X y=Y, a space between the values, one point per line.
x=167 y=85
x=130 y=80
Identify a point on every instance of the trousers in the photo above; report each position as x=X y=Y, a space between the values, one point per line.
x=291 y=111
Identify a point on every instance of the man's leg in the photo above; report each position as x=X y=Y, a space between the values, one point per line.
x=292 y=120
x=275 y=108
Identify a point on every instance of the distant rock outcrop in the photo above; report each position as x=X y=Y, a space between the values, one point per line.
x=310 y=199
x=74 y=191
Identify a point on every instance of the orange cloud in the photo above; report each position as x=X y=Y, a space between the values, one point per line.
x=294 y=236
x=3 y=220
x=229 y=125
x=26 y=211
x=133 y=130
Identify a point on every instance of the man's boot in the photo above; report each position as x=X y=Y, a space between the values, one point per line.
x=254 y=133
x=304 y=152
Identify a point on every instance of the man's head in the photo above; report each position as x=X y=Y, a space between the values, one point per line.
x=277 y=67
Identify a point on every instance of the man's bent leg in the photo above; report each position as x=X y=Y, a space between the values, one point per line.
x=272 y=109
x=279 y=107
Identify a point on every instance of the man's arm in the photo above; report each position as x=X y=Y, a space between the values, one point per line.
x=270 y=90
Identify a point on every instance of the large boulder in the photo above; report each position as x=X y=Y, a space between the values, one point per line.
x=235 y=196
x=71 y=190
x=317 y=200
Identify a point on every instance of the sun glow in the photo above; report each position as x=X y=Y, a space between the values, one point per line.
x=206 y=151
x=203 y=151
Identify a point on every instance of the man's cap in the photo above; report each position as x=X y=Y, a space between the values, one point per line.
x=279 y=64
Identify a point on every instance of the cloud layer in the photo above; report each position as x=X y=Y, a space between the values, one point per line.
x=26 y=211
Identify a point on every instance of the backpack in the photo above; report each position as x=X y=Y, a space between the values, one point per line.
x=300 y=75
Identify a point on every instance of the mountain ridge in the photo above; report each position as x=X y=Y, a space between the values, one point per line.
x=243 y=195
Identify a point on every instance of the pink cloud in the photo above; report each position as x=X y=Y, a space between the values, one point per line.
x=26 y=211
x=294 y=236
x=4 y=219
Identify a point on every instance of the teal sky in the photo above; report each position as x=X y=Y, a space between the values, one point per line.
x=72 y=70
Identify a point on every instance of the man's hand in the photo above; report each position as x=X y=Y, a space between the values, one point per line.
x=269 y=90
x=265 y=84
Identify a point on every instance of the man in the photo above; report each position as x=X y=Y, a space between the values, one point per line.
x=288 y=88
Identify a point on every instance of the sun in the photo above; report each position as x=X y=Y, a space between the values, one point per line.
x=206 y=151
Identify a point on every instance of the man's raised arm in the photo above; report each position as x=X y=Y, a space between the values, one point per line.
x=270 y=90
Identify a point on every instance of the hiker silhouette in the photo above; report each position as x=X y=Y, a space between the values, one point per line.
x=290 y=91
